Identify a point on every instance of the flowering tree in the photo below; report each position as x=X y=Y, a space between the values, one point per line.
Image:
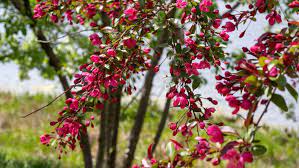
x=129 y=38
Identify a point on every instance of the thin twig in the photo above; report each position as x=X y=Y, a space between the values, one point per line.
x=35 y=111
x=234 y=7
x=132 y=101
x=63 y=36
x=265 y=110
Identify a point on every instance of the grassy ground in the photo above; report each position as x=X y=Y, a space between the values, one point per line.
x=20 y=147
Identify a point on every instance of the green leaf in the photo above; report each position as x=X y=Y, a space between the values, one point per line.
x=259 y=150
x=251 y=80
x=279 y=101
x=292 y=91
x=262 y=61
x=281 y=81
x=195 y=84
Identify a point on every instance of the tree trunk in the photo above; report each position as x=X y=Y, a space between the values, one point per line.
x=161 y=124
x=145 y=95
x=100 y=161
x=113 y=146
x=104 y=134
x=25 y=9
x=86 y=149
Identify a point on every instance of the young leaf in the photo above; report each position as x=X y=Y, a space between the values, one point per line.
x=259 y=150
x=292 y=91
x=279 y=101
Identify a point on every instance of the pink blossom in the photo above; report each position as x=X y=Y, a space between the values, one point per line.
x=95 y=58
x=202 y=147
x=110 y=82
x=181 y=99
x=91 y=10
x=273 y=72
x=273 y=17
x=131 y=13
x=38 y=11
x=95 y=39
x=279 y=46
x=181 y=4
x=229 y=27
x=147 y=50
x=55 y=2
x=260 y=3
x=246 y=104
x=255 y=49
x=215 y=134
x=202 y=65
x=54 y=18
x=81 y=19
x=237 y=160
x=111 y=52
x=130 y=43
x=172 y=125
x=294 y=4
x=216 y=23
x=191 y=69
x=204 y=5
x=69 y=16
x=189 y=42
x=224 y=36
x=202 y=125
x=74 y=105
x=45 y=139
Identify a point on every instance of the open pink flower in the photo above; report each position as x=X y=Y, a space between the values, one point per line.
x=181 y=99
x=95 y=58
x=45 y=139
x=273 y=72
x=237 y=160
x=131 y=13
x=204 y=5
x=294 y=4
x=181 y=4
x=111 y=52
x=215 y=134
x=229 y=27
x=216 y=23
x=130 y=43
x=95 y=39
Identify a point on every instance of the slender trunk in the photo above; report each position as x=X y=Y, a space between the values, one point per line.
x=102 y=138
x=161 y=124
x=143 y=104
x=104 y=133
x=113 y=146
x=86 y=149
x=25 y=9
x=109 y=127
x=145 y=95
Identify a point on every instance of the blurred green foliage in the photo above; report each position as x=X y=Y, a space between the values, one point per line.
x=20 y=147
x=19 y=45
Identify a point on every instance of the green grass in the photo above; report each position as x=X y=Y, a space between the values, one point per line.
x=20 y=147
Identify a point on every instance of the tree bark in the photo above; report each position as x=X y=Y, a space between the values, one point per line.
x=102 y=138
x=86 y=149
x=161 y=124
x=24 y=8
x=145 y=95
x=105 y=135
x=115 y=124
